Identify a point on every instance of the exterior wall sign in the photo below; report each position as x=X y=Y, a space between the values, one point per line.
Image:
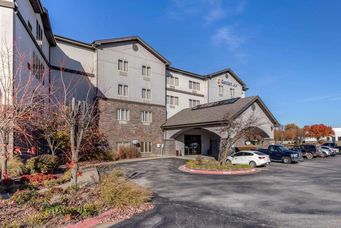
x=221 y=81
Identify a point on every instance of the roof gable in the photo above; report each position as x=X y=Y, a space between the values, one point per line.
x=214 y=113
x=129 y=39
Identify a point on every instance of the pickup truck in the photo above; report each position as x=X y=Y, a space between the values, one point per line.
x=283 y=154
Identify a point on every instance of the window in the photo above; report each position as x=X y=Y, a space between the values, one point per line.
x=172 y=100
x=146 y=70
x=120 y=145
x=123 y=65
x=37 y=67
x=146 y=147
x=172 y=81
x=39 y=33
x=146 y=117
x=232 y=92
x=194 y=85
x=338 y=138
x=123 y=114
x=122 y=90
x=146 y=94
x=193 y=103
x=221 y=90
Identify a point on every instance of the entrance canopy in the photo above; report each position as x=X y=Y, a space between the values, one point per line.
x=187 y=130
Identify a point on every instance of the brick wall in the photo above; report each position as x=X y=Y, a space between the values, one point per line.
x=133 y=129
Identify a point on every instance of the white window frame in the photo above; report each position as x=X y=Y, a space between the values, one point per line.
x=193 y=103
x=232 y=92
x=122 y=144
x=146 y=147
x=122 y=65
x=123 y=90
x=172 y=100
x=194 y=85
x=146 y=117
x=123 y=114
x=172 y=80
x=146 y=94
x=221 y=90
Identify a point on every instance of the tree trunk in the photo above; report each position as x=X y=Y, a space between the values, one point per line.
x=74 y=172
x=4 y=159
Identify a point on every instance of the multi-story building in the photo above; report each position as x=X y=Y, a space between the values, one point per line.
x=141 y=98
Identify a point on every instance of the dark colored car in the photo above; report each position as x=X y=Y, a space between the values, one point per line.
x=283 y=154
x=309 y=151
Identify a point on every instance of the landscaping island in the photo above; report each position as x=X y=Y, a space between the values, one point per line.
x=201 y=166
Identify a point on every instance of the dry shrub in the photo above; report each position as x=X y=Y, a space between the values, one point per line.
x=117 y=191
x=127 y=152
x=244 y=148
x=15 y=167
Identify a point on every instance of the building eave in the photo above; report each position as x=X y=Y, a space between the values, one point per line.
x=184 y=72
x=228 y=70
x=74 y=42
x=129 y=39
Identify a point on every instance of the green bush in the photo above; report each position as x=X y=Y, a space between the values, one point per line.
x=24 y=196
x=45 y=163
x=213 y=165
x=117 y=191
x=15 y=167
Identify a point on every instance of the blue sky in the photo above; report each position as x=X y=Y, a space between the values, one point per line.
x=287 y=51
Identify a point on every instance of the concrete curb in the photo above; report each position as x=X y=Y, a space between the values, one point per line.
x=183 y=168
x=91 y=222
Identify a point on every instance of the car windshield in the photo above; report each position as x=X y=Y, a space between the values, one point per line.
x=281 y=148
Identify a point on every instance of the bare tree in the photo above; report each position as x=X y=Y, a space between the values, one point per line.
x=21 y=95
x=243 y=127
x=78 y=115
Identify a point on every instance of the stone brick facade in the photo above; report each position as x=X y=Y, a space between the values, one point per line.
x=133 y=129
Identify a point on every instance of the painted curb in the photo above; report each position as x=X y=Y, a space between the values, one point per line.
x=91 y=222
x=183 y=168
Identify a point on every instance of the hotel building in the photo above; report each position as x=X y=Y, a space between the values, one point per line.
x=141 y=98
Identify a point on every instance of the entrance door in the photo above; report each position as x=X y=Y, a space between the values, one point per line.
x=192 y=144
x=214 y=148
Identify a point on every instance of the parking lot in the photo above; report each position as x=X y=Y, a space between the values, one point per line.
x=294 y=195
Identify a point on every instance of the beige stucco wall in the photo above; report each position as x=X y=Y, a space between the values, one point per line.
x=109 y=76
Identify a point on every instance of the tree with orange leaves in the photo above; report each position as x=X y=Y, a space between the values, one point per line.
x=318 y=131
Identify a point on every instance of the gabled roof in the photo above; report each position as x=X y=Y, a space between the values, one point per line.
x=177 y=70
x=209 y=76
x=129 y=39
x=228 y=70
x=214 y=113
x=38 y=8
x=74 y=42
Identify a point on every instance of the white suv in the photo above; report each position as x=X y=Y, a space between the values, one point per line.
x=252 y=158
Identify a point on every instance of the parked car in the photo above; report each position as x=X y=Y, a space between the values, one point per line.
x=283 y=154
x=329 y=150
x=252 y=158
x=333 y=145
x=309 y=151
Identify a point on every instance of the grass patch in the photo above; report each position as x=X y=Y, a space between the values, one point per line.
x=117 y=191
x=201 y=164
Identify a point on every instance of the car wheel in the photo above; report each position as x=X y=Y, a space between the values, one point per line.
x=309 y=156
x=252 y=164
x=323 y=155
x=228 y=161
x=286 y=160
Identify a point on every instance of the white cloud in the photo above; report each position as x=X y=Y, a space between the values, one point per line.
x=227 y=36
x=209 y=11
x=332 y=97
